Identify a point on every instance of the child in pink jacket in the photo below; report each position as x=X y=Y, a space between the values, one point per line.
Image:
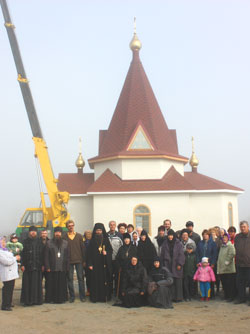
x=204 y=274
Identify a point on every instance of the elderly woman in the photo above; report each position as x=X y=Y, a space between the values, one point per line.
x=160 y=280
x=8 y=274
x=173 y=258
x=134 y=284
x=226 y=268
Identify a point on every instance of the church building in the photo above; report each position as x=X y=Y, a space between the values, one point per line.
x=138 y=175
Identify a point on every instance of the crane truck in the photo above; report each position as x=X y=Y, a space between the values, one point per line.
x=44 y=216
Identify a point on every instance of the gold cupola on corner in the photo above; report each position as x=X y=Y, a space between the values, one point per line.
x=135 y=44
x=80 y=163
x=194 y=162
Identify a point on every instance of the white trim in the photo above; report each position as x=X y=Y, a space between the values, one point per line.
x=167 y=192
x=78 y=195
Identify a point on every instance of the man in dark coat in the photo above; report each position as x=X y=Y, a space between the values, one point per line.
x=32 y=266
x=192 y=235
x=242 y=247
x=99 y=262
x=57 y=266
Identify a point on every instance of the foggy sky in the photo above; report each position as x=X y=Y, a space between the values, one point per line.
x=196 y=55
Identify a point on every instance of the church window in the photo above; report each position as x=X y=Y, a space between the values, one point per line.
x=142 y=217
x=230 y=214
x=140 y=141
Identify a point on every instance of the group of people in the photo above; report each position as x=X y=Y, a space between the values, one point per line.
x=127 y=265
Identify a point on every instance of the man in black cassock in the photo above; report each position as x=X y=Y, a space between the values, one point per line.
x=99 y=261
x=56 y=265
x=32 y=266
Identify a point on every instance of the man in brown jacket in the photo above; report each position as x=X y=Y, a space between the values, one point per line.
x=77 y=261
x=242 y=247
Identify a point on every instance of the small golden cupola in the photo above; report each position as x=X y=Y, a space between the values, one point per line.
x=194 y=162
x=80 y=163
x=135 y=44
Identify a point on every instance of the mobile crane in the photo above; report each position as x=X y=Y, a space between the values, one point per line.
x=56 y=214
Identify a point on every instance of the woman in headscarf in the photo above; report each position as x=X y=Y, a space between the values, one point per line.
x=123 y=258
x=146 y=251
x=8 y=274
x=160 y=280
x=173 y=258
x=226 y=268
x=99 y=262
x=134 y=284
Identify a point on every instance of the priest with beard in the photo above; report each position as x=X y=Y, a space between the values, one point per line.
x=32 y=258
x=57 y=266
x=99 y=262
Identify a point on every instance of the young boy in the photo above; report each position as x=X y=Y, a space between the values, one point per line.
x=188 y=273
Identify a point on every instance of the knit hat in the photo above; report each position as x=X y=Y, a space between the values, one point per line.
x=58 y=229
x=32 y=228
x=190 y=246
x=204 y=260
x=13 y=236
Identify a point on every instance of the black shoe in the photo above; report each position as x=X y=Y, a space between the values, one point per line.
x=71 y=300
x=239 y=302
x=230 y=300
x=6 y=309
x=249 y=303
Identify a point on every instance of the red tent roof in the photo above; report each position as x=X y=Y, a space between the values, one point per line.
x=137 y=105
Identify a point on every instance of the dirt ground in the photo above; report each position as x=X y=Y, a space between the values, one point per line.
x=186 y=317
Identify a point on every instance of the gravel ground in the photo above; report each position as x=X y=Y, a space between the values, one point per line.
x=215 y=316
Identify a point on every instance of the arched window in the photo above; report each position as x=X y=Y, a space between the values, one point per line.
x=142 y=217
x=230 y=214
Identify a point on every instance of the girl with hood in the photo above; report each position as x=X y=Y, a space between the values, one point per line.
x=173 y=258
x=205 y=275
x=146 y=251
x=160 y=280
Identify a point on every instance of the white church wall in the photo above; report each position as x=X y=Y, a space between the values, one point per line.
x=121 y=208
x=81 y=212
x=114 y=165
x=141 y=169
x=233 y=200
x=211 y=209
x=138 y=169
x=204 y=209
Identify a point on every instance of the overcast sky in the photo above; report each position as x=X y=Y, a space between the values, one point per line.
x=196 y=55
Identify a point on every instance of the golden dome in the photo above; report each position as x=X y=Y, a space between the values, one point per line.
x=194 y=162
x=135 y=44
x=80 y=163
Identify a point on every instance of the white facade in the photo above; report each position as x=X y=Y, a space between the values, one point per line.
x=138 y=168
x=80 y=208
x=205 y=209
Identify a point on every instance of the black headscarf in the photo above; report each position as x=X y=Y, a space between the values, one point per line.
x=146 y=251
x=171 y=242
